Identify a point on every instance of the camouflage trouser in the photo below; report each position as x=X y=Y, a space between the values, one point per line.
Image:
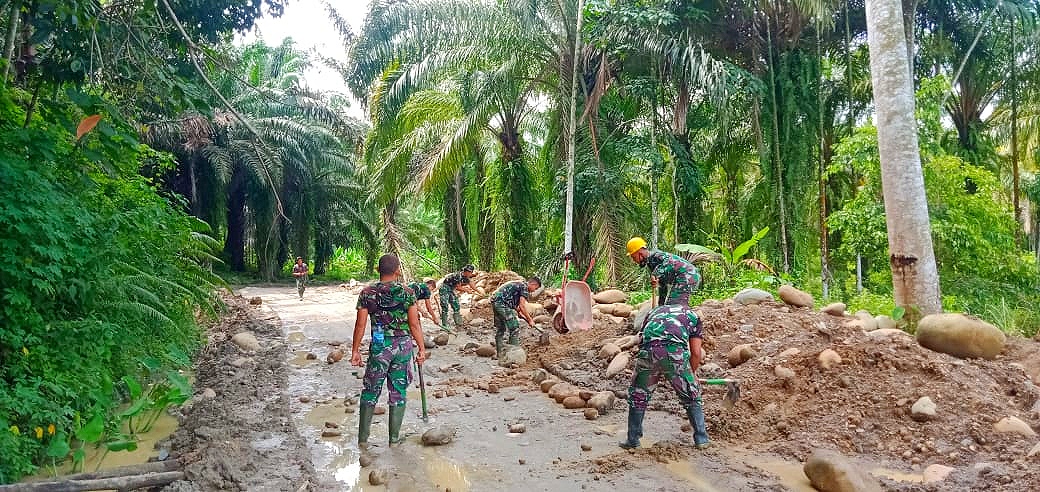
x=506 y=322
x=670 y=360
x=301 y=285
x=449 y=300
x=392 y=363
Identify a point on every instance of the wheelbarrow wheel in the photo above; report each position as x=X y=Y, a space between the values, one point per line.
x=559 y=324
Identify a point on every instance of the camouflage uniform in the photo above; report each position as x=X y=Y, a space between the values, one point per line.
x=676 y=277
x=390 y=352
x=301 y=282
x=450 y=300
x=504 y=303
x=665 y=352
x=421 y=290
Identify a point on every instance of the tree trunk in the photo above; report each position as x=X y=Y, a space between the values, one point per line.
x=485 y=222
x=454 y=231
x=776 y=156
x=235 y=242
x=517 y=187
x=13 y=19
x=825 y=277
x=915 y=278
x=1015 y=184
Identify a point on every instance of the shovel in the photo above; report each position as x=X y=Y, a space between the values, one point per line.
x=422 y=392
x=732 y=389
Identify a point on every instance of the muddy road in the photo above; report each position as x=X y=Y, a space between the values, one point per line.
x=559 y=451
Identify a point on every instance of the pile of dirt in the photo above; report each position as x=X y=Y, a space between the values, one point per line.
x=860 y=406
x=243 y=438
x=487 y=283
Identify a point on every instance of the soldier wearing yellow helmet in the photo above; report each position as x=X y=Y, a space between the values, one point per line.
x=674 y=277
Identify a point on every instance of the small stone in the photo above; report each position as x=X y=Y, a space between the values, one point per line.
x=747 y=329
x=522 y=461
x=246 y=341
x=441 y=339
x=486 y=350
x=539 y=375
x=305 y=399
x=602 y=401
x=470 y=346
x=365 y=460
x=492 y=388
x=428 y=342
x=1014 y=425
x=936 y=473
x=209 y=394
x=885 y=322
x=784 y=373
x=334 y=356
x=585 y=394
x=923 y=409
x=740 y=354
x=867 y=320
x=547 y=385
x=791 y=352
x=331 y=425
x=608 y=351
x=509 y=398
x=593 y=414
x=829 y=359
x=349 y=410
x=619 y=363
x=379 y=411
x=711 y=370
x=1034 y=451
x=586 y=447
x=377 y=477
x=311 y=356
x=685 y=427
x=240 y=362
x=256 y=301
x=331 y=433
x=834 y=309
x=514 y=355
x=562 y=391
x=517 y=428
x=573 y=402
x=438 y=436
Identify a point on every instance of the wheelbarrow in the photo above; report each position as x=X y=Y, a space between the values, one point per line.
x=574 y=309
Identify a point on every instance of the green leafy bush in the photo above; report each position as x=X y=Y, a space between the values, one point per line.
x=104 y=279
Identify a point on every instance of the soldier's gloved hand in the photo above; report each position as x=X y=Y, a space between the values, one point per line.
x=355 y=358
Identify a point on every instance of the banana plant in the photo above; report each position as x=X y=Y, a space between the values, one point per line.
x=730 y=259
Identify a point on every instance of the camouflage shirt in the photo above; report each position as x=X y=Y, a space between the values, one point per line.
x=387 y=304
x=509 y=294
x=455 y=279
x=674 y=271
x=421 y=290
x=671 y=324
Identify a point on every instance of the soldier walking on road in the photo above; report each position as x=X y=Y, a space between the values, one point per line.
x=395 y=334
x=671 y=350
x=458 y=281
x=674 y=277
x=509 y=299
x=299 y=271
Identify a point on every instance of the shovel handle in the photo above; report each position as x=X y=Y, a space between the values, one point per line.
x=716 y=381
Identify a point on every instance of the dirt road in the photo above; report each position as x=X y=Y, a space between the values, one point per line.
x=484 y=456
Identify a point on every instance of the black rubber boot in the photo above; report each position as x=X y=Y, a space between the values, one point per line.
x=396 y=418
x=635 y=428
x=700 y=429
x=365 y=413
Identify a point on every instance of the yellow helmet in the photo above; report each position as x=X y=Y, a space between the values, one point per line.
x=635 y=244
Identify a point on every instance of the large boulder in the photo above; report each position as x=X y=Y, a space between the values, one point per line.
x=752 y=296
x=794 y=297
x=246 y=341
x=831 y=472
x=623 y=310
x=740 y=354
x=602 y=401
x=618 y=364
x=834 y=309
x=486 y=350
x=604 y=308
x=514 y=355
x=438 y=436
x=868 y=321
x=960 y=335
x=561 y=391
x=610 y=296
x=609 y=350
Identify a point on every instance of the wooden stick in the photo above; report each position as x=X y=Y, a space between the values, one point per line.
x=132 y=482
x=122 y=471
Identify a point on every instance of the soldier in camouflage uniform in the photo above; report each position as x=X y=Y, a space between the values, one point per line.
x=671 y=350
x=509 y=299
x=423 y=292
x=450 y=299
x=395 y=334
x=674 y=277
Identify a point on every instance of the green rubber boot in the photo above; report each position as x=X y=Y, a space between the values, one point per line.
x=635 y=429
x=396 y=419
x=499 y=339
x=365 y=413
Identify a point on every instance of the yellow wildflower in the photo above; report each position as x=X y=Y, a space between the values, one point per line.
x=39 y=432
x=25 y=351
x=15 y=431
x=50 y=430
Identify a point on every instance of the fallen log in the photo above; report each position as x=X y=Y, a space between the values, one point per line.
x=122 y=471
x=132 y=482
